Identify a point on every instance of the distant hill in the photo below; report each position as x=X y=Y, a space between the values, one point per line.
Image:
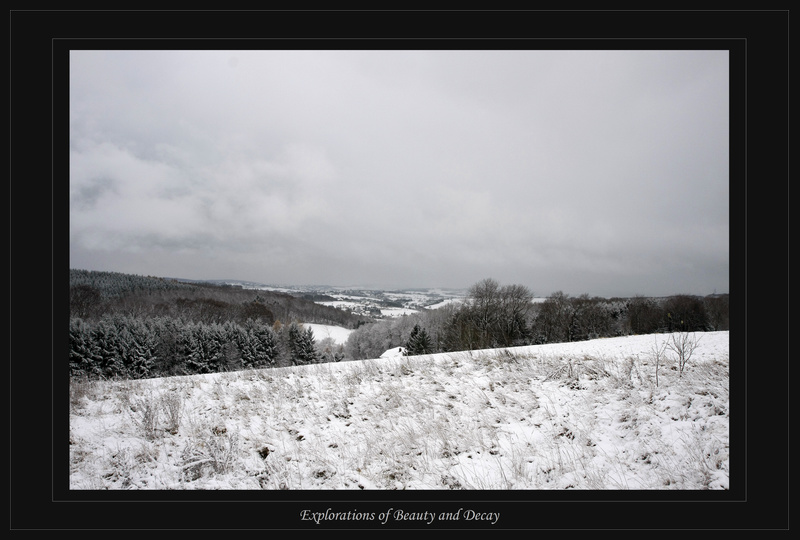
x=95 y=293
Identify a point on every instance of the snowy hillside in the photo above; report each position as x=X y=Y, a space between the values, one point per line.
x=585 y=415
x=338 y=334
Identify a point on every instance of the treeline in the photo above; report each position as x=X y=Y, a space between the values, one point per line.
x=505 y=316
x=138 y=327
x=124 y=346
x=116 y=284
x=94 y=295
x=129 y=326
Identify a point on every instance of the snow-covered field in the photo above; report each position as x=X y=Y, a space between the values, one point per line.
x=585 y=415
x=444 y=303
x=338 y=334
x=397 y=312
x=373 y=302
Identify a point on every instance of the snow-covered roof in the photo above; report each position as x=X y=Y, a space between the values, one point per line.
x=397 y=351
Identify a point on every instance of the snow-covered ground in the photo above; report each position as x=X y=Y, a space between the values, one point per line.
x=386 y=303
x=342 y=304
x=395 y=352
x=397 y=312
x=446 y=302
x=338 y=334
x=585 y=415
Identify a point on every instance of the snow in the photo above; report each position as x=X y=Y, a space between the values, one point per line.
x=391 y=353
x=338 y=334
x=446 y=302
x=341 y=304
x=585 y=415
x=397 y=312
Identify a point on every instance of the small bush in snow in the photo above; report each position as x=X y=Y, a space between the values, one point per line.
x=215 y=453
x=683 y=344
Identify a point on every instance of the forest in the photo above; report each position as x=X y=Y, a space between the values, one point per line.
x=495 y=316
x=126 y=326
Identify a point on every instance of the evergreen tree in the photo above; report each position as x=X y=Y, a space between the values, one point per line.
x=300 y=345
x=214 y=349
x=419 y=342
x=258 y=345
x=186 y=346
x=194 y=349
x=266 y=346
x=168 y=348
x=306 y=349
x=106 y=338
x=231 y=351
x=244 y=343
x=140 y=355
x=292 y=342
x=84 y=354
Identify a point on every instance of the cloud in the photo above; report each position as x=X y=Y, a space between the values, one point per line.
x=406 y=167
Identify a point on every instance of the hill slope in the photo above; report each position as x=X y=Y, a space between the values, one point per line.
x=585 y=415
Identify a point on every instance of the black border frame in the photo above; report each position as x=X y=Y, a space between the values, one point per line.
x=758 y=42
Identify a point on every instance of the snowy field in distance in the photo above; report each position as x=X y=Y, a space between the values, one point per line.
x=338 y=334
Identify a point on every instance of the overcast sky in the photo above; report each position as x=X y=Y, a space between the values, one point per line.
x=600 y=172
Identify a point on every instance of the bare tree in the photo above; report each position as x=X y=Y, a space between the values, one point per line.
x=683 y=344
x=644 y=315
x=657 y=353
x=554 y=317
x=685 y=313
x=515 y=304
x=717 y=311
x=84 y=301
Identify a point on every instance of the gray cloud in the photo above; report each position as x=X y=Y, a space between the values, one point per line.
x=585 y=171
